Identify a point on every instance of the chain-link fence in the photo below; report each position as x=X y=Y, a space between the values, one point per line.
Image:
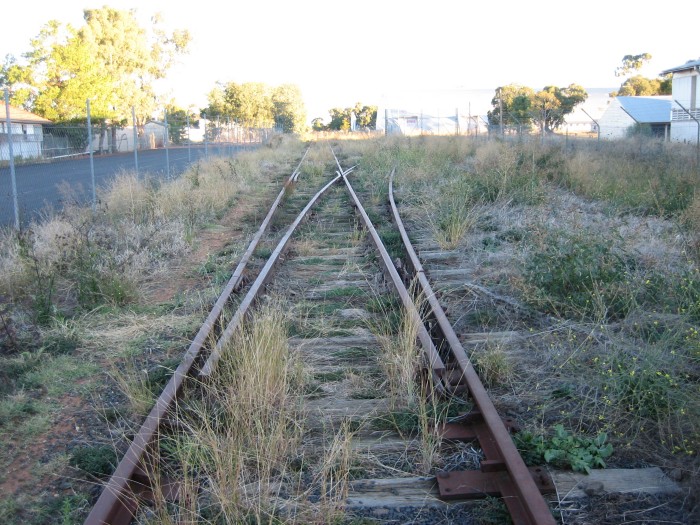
x=456 y=122
x=38 y=157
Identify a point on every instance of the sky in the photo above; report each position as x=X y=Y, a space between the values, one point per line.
x=373 y=51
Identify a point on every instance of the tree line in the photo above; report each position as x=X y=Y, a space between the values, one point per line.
x=522 y=107
x=114 y=62
x=256 y=104
x=365 y=117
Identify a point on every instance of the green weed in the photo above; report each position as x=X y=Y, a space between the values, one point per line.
x=565 y=450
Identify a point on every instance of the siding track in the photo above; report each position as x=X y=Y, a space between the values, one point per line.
x=360 y=444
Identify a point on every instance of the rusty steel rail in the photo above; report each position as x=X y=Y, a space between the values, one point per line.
x=430 y=353
x=117 y=503
x=259 y=284
x=503 y=472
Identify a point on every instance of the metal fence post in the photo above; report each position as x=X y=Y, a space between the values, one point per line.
x=136 y=138
x=189 y=142
x=206 y=146
x=165 y=143
x=92 y=163
x=11 y=154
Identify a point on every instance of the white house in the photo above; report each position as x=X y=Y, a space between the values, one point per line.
x=685 y=116
x=27 y=134
x=624 y=113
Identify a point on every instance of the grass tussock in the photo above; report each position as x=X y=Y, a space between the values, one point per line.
x=243 y=433
x=77 y=256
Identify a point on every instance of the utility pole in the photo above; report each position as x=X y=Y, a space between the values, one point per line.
x=92 y=162
x=11 y=154
x=500 y=108
x=136 y=141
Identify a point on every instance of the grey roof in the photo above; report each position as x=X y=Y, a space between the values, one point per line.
x=648 y=110
x=690 y=64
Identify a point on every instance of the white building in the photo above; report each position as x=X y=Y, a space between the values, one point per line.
x=685 y=116
x=27 y=134
x=624 y=113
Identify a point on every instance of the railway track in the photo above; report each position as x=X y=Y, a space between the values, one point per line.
x=370 y=423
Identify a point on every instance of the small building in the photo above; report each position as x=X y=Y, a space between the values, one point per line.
x=27 y=130
x=685 y=112
x=625 y=115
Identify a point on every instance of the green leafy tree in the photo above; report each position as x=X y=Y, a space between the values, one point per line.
x=632 y=63
x=340 y=119
x=177 y=123
x=257 y=104
x=110 y=59
x=638 y=85
x=546 y=109
x=288 y=108
x=545 y=105
x=515 y=101
x=366 y=116
x=317 y=124
x=250 y=104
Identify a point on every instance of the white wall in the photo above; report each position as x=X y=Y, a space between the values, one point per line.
x=615 y=122
x=684 y=131
x=683 y=128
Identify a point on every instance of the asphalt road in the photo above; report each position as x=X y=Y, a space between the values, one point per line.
x=38 y=184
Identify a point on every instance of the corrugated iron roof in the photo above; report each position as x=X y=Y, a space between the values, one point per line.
x=690 y=64
x=23 y=116
x=647 y=110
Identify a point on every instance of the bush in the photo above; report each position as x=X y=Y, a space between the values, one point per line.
x=578 y=275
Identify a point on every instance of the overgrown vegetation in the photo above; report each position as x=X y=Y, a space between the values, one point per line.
x=77 y=320
x=590 y=256
x=590 y=252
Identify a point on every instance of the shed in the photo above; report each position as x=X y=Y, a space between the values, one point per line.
x=27 y=134
x=624 y=113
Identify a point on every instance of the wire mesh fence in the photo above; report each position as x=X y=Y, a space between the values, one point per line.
x=40 y=160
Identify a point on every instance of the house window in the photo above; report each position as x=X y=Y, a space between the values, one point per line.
x=693 y=92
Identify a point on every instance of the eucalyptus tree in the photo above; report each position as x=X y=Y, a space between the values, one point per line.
x=511 y=106
x=521 y=106
x=289 y=110
x=636 y=85
x=257 y=104
x=110 y=59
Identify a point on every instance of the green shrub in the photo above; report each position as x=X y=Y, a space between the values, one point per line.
x=579 y=275
x=647 y=385
x=98 y=280
x=97 y=461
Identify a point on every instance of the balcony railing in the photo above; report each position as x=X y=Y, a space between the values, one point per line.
x=679 y=114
